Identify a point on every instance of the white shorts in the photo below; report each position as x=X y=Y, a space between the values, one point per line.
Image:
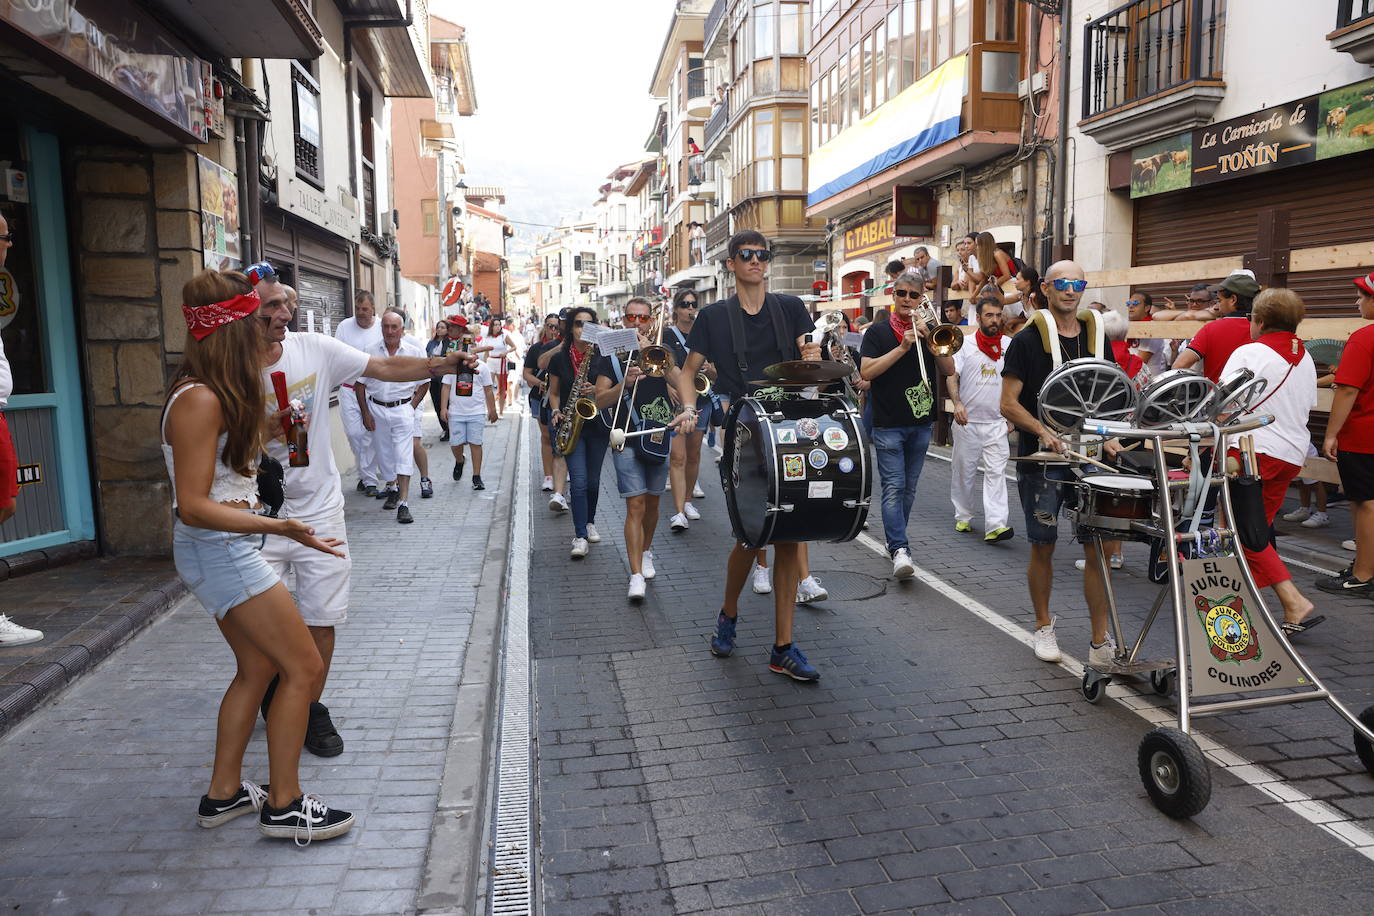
x=321 y=581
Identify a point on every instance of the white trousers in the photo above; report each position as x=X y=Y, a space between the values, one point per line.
x=984 y=443
x=394 y=440
x=359 y=439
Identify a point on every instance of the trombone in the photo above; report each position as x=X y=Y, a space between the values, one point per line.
x=654 y=361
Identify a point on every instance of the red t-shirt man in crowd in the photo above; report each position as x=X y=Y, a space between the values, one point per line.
x=1218 y=339
x=1350 y=442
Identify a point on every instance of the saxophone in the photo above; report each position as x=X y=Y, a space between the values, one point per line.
x=577 y=408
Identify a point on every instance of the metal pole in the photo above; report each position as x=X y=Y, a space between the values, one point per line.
x=1061 y=170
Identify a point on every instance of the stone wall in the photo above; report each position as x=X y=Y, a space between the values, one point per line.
x=792 y=272
x=136 y=231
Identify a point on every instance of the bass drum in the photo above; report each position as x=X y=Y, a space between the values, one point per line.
x=795 y=469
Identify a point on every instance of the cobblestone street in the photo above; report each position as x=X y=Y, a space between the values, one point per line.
x=937 y=766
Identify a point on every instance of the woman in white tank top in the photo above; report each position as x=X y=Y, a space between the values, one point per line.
x=213 y=431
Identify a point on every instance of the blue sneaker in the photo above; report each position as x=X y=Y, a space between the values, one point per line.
x=723 y=642
x=793 y=664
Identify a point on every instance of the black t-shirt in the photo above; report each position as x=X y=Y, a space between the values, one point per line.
x=901 y=396
x=712 y=339
x=651 y=399
x=561 y=368
x=536 y=350
x=1027 y=360
x=678 y=347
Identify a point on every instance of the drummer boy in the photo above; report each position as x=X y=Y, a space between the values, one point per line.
x=1027 y=366
x=741 y=336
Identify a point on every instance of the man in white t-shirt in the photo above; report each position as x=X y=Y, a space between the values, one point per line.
x=314 y=365
x=980 y=431
x=388 y=411
x=464 y=413
x=361 y=332
x=1152 y=351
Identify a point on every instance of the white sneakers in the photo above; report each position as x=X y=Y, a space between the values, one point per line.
x=1348 y=545
x=690 y=511
x=1299 y=514
x=548 y=484
x=579 y=548
x=592 y=536
x=763 y=580
x=698 y=492
x=1317 y=520
x=678 y=522
x=646 y=563
x=558 y=503
x=1104 y=654
x=12 y=634
x=637 y=588
x=902 y=567
x=1045 y=645
x=1116 y=561
x=810 y=589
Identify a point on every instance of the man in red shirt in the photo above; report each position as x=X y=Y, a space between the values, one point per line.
x=1350 y=443
x=1218 y=339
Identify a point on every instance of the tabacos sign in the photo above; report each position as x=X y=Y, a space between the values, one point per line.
x=1335 y=123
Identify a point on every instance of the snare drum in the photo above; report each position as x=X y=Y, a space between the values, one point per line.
x=1110 y=502
x=795 y=469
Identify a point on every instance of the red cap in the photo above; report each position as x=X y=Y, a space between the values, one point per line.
x=458 y=320
x=1366 y=284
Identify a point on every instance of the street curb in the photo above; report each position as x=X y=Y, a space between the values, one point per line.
x=453 y=868
x=31 y=686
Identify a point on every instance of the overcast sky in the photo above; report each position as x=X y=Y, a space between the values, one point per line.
x=562 y=96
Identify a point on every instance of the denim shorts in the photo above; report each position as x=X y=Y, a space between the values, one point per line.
x=469 y=430
x=1043 y=494
x=222 y=569
x=635 y=478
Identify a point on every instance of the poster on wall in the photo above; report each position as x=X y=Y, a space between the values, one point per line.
x=219 y=216
x=1335 y=123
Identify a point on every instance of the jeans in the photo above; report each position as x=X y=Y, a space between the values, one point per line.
x=1043 y=490
x=901 y=455
x=584 y=475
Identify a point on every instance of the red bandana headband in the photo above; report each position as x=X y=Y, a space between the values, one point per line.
x=203 y=319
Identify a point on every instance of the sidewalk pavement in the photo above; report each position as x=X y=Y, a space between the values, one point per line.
x=937 y=767
x=99 y=788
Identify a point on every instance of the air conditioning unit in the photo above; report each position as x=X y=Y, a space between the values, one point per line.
x=1036 y=84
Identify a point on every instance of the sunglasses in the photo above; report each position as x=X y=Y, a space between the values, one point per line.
x=748 y=254
x=578 y=322
x=7 y=237
x=687 y=304
x=1192 y=301
x=906 y=294
x=259 y=272
x=552 y=326
x=1132 y=303
x=1064 y=284
x=638 y=318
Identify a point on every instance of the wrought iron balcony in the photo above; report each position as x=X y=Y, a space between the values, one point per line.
x=720 y=118
x=1348 y=12
x=714 y=19
x=1354 y=33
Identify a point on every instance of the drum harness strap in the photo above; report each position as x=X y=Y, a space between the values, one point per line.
x=735 y=311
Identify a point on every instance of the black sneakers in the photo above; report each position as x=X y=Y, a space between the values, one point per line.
x=393 y=499
x=477 y=482
x=457 y=470
x=213 y=812
x=403 y=514
x=321 y=737
x=1346 y=584
x=307 y=818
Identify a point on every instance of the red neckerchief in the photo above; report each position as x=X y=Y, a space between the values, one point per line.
x=899 y=326
x=576 y=356
x=1286 y=344
x=991 y=346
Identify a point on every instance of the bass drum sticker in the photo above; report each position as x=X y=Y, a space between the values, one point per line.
x=808 y=428
x=793 y=467
x=845 y=465
x=787 y=437
x=817 y=458
x=836 y=439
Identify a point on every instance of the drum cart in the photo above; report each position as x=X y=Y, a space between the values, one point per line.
x=1231 y=654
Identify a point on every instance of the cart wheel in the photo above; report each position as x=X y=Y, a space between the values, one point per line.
x=1094 y=686
x=1163 y=681
x=1362 y=745
x=1174 y=772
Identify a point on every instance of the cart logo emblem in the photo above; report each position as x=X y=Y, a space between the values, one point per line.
x=808 y=428
x=787 y=437
x=793 y=467
x=817 y=458
x=771 y=393
x=836 y=439
x=1228 y=628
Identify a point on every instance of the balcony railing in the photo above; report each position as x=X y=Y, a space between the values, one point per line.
x=1348 y=12
x=714 y=19
x=1148 y=46
x=696 y=82
x=718 y=232
x=720 y=117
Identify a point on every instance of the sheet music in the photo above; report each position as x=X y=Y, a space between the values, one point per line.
x=853 y=339
x=611 y=340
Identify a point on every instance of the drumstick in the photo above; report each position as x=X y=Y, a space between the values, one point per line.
x=1081 y=457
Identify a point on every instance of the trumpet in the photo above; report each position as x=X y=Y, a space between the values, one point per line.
x=942 y=338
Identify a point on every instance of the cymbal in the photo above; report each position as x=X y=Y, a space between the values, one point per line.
x=1044 y=457
x=782 y=383
x=807 y=370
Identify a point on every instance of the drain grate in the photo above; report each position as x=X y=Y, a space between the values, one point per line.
x=850 y=586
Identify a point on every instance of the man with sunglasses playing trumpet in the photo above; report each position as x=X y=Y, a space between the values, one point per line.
x=762 y=344
x=1027 y=363
x=896 y=360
